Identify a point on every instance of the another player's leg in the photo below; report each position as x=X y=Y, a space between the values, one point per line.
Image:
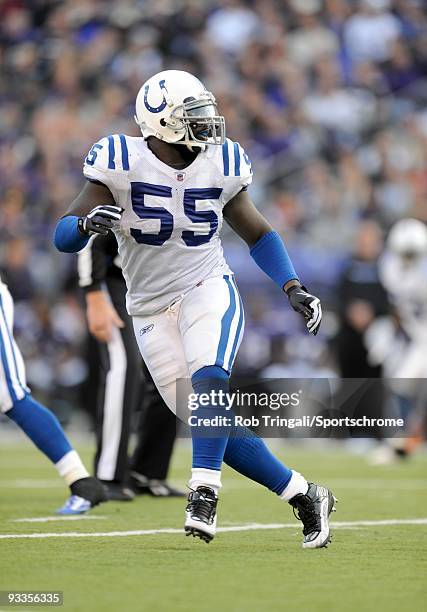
x=149 y=464
x=118 y=396
x=44 y=430
x=40 y=425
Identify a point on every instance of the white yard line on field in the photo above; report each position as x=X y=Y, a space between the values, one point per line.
x=250 y=527
x=239 y=483
x=46 y=519
x=29 y=483
x=377 y=483
x=349 y=484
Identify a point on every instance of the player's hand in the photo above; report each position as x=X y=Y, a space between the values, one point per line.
x=307 y=305
x=101 y=315
x=100 y=220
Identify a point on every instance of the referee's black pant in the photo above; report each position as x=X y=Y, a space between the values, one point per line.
x=124 y=386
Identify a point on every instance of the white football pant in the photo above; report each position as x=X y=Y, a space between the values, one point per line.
x=13 y=385
x=202 y=328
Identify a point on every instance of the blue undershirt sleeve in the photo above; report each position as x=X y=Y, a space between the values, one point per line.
x=270 y=254
x=67 y=237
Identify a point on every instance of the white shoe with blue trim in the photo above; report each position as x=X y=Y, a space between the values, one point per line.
x=75 y=505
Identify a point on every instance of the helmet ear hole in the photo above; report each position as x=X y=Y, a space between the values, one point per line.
x=162 y=122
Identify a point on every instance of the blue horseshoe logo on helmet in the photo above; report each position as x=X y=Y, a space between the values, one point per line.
x=155 y=109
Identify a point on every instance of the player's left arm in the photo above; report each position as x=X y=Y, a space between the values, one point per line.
x=270 y=254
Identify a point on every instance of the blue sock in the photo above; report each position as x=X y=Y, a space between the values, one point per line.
x=41 y=426
x=248 y=454
x=208 y=452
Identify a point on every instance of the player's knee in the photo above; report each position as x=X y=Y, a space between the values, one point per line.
x=18 y=404
x=210 y=378
x=25 y=408
x=213 y=371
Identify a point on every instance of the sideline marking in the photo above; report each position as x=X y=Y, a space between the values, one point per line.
x=46 y=519
x=250 y=527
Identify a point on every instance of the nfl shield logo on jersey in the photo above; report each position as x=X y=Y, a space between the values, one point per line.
x=180 y=176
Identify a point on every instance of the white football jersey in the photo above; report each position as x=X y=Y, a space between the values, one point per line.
x=407 y=288
x=168 y=235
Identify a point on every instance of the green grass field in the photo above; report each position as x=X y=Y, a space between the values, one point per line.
x=367 y=567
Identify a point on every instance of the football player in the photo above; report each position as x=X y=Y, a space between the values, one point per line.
x=405 y=258
x=165 y=196
x=399 y=343
x=40 y=425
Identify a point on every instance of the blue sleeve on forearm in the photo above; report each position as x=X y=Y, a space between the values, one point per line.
x=270 y=254
x=67 y=238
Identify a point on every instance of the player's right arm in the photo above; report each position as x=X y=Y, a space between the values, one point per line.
x=94 y=210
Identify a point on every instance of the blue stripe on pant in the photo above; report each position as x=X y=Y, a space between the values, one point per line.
x=8 y=358
x=40 y=425
x=239 y=326
x=229 y=339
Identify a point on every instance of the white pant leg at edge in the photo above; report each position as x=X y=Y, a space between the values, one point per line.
x=12 y=370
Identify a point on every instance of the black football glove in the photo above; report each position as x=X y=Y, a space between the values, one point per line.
x=308 y=305
x=100 y=220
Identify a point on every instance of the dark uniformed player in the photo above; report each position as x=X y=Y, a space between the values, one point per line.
x=124 y=386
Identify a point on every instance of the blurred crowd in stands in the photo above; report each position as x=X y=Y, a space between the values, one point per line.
x=328 y=97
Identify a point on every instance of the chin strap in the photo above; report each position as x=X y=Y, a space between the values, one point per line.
x=196 y=148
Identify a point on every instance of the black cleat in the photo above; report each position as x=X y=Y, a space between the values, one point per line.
x=89 y=488
x=85 y=494
x=200 y=514
x=313 y=509
x=117 y=492
x=141 y=485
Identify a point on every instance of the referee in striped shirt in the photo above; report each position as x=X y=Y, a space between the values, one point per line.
x=124 y=385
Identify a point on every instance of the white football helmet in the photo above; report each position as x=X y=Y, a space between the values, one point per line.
x=408 y=237
x=176 y=107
